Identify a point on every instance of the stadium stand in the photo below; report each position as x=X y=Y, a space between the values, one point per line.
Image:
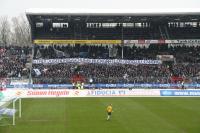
x=113 y=35
x=13 y=61
x=62 y=73
x=182 y=54
x=172 y=38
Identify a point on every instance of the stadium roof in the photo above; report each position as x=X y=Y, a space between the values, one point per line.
x=112 y=15
x=113 y=12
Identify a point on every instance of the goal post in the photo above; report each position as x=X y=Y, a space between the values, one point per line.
x=10 y=109
x=19 y=108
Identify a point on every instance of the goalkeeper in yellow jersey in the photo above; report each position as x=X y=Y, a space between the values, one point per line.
x=109 y=111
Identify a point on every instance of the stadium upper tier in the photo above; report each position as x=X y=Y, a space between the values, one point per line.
x=114 y=24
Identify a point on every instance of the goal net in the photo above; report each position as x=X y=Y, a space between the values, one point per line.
x=10 y=110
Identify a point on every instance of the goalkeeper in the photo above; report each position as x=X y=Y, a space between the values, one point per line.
x=109 y=111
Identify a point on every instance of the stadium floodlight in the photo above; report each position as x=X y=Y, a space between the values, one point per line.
x=8 y=109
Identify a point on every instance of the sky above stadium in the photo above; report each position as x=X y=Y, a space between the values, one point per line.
x=16 y=7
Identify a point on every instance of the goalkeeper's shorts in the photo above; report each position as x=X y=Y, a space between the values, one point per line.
x=109 y=113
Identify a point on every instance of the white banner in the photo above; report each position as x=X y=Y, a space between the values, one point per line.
x=143 y=41
x=165 y=57
x=42 y=93
x=96 y=61
x=162 y=41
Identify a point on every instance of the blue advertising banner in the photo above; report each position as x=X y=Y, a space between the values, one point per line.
x=136 y=85
x=180 y=92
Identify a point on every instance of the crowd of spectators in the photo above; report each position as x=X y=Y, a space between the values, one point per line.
x=182 y=54
x=185 y=63
x=13 y=61
x=62 y=73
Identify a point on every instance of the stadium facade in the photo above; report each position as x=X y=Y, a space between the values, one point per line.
x=114 y=26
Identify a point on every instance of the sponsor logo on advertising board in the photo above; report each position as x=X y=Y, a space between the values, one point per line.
x=34 y=93
x=180 y=92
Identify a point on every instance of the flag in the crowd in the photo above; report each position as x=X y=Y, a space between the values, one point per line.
x=37 y=71
x=38 y=54
x=59 y=54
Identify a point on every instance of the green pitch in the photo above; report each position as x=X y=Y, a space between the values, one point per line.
x=88 y=115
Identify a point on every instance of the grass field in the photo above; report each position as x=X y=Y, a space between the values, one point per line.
x=88 y=115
